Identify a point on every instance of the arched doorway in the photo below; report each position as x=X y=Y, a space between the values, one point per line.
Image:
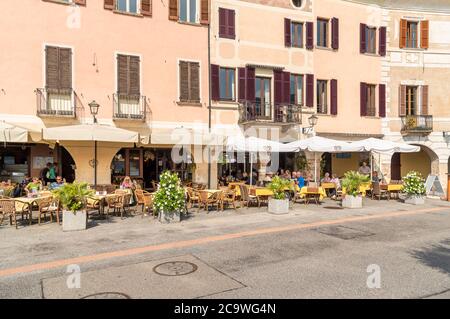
x=66 y=165
x=425 y=162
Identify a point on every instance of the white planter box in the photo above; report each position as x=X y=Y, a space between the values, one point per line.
x=279 y=206
x=415 y=200
x=352 y=201
x=169 y=217
x=74 y=221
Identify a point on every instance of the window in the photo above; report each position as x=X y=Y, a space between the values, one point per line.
x=297 y=34
x=263 y=97
x=322 y=97
x=226 y=23
x=411 y=100
x=322 y=33
x=128 y=6
x=188 y=11
x=297 y=3
x=189 y=82
x=227 y=84
x=370 y=100
x=411 y=34
x=296 y=90
x=371 y=40
x=127 y=102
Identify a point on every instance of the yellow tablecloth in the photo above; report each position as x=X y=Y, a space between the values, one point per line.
x=321 y=192
x=328 y=185
x=363 y=188
x=261 y=191
x=395 y=187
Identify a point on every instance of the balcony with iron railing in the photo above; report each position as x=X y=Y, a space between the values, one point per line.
x=287 y=114
x=417 y=124
x=129 y=107
x=56 y=102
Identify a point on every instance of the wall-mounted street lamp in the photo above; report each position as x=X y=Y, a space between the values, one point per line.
x=94 y=106
x=312 y=121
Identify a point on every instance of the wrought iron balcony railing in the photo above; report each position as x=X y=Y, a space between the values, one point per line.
x=255 y=112
x=56 y=102
x=132 y=107
x=417 y=124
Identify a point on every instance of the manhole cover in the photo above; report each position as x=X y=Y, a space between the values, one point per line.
x=344 y=232
x=107 y=295
x=175 y=268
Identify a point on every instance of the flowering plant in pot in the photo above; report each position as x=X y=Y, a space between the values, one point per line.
x=73 y=199
x=169 y=199
x=351 y=182
x=414 y=188
x=279 y=202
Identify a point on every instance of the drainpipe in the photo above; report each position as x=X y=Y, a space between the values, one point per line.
x=209 y=102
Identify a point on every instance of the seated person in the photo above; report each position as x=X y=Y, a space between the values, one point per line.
x=301 y=182
x=268 y=177
x=127 y=183
x=375 y=177
x=337 y=182
x=34 y=186
x=57 y=183
x=364 y=169
x=326 y=178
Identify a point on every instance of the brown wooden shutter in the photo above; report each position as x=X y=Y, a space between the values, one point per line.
x=134 y=76
x=122 y=74
x=402 y=100
x=250 y=84
x=242 y=81
x=80 y=2
x=223 y=27
x=146 y=8
x=109 y=4
x=215 y=82
x=287 y=32
x=309 y=35
x=382 y=100
x=278 y=86
x=335 y=33
x=334 y=97
x=51 y=67
x=424 y=34
x=194 y=74
x=204 y=12
x=382 y=47
x=65 y=68
x=231 y=23
x=184 y=81
x=362 y=38
x=286 y=87
x=363 y=99
x=403 y=31
x=173 y=10
x=424 y=100
x=310 y=90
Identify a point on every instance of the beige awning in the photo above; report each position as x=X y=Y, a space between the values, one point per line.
x=12 y=134
x=90 y=132
x=185 y=136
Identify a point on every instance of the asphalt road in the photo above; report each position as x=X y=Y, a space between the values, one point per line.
x=405 y=256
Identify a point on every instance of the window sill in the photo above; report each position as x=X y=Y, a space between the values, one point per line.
x=137 y=15
x=196 y=24
x=189 y=103
x=371 y=117
x=227 y=37
x=371 y=55
x=413 y=49
x=324 y=48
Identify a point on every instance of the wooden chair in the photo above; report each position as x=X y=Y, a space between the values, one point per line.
x=246 y=198
x=207 y=199
x=110 y=203
x=312 y=193
x=46 y=206
x=228 y=198
x=140 y=198
x=148 y=203
x=377 y=191
x=192 y=197
x=123 y=204
x=8 y=210
x=93 y=204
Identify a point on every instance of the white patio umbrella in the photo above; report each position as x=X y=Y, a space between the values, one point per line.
x=12 y=133
x=376 y=145
x=321 y=144
x=240 y=143
x=90 y=132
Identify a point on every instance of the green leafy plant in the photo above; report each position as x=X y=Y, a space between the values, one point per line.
x=170 y=196
x=352 y=181
x=73 y=196
x=414 y=184
x=302 y=163
x=279 y=186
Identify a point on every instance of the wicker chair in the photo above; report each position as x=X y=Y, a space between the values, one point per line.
x=192 y=197
x=46 y=206
x=8 y=209
x=148 y=203
x=377 y=191
x=207 y=199
x=246 y=198
x=228 y=198
x=123 y=204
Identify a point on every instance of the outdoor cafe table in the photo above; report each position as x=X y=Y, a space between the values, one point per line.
x=363 y=188
x=261 y=192
x=320 y=191
x=392 y=188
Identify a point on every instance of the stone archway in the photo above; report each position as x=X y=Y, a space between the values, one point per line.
x=425 y=162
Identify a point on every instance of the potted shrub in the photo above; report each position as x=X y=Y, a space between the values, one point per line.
x=414 y=188
x=279 y=202
x=169 y=199
x=72 y=198
x=351 y=182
